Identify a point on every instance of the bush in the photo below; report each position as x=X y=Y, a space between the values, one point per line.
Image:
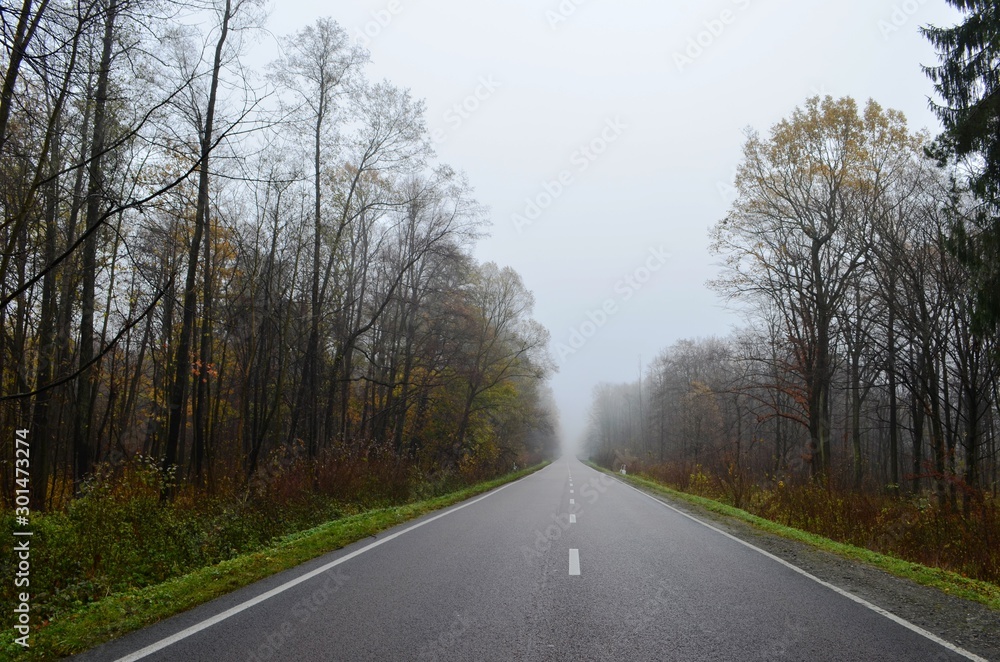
x=914 y=528
x=119 y=533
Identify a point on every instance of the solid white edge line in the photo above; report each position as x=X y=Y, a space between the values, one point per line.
x=243 y=606
x=574 y=562
x=861 y=601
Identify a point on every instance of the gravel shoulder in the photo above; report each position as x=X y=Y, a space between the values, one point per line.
x=971 y=625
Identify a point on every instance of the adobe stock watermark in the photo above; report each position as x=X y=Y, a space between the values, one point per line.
x=802 y=461
x=380 y=20
x=727 y=189
x=794 y=634
x=458 y=113
x=899 y=17
x=626 y=288
x=562 y=12
x=647 y=613
x=581 y=159
x=711 y=31
x=591 y=491
x=302 y=611
x=446 y=641
x=21 y=552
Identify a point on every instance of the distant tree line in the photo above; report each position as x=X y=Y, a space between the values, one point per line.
x=865 y=259
x=209 y=265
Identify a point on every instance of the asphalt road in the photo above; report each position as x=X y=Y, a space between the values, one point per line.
x=566 y=564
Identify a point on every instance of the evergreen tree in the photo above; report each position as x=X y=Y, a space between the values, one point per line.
x=968 y=80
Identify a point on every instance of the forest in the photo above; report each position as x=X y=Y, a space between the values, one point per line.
x=860 y=361
x=240 y=300
x=858 y=397
x=237 y=301
x=220 y=269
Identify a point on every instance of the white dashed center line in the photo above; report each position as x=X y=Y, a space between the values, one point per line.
x=572 y=502
x=574 y=562
x=572 y=519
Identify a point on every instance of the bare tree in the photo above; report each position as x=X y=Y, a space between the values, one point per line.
x=797 y=233
x=320 y=66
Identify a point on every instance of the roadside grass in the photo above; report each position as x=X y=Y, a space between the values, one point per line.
x=947 y=581
x=120 y=613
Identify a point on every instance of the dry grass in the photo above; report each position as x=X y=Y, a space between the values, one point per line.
x=121 y=535
x=914 y=528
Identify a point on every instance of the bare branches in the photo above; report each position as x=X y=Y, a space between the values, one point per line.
x=335 y=307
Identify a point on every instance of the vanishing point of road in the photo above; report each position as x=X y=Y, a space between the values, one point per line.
x=565 y=564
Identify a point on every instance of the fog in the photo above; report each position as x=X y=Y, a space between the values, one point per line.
x=604 y=137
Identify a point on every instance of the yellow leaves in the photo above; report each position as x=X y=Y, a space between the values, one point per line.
x=210 y=370
x=825 y=150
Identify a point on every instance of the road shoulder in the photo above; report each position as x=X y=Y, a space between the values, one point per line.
x=966 y=623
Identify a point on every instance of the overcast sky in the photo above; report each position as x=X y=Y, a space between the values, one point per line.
x=603 y=136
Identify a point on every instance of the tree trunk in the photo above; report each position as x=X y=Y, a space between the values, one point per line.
x=893 y=404
x=40 y=436
x=82 y=451
x=24 y=31
x=182 y=360
x=856 y=412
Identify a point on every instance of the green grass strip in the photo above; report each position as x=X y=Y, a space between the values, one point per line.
x=126 y=612
x=949 y=582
